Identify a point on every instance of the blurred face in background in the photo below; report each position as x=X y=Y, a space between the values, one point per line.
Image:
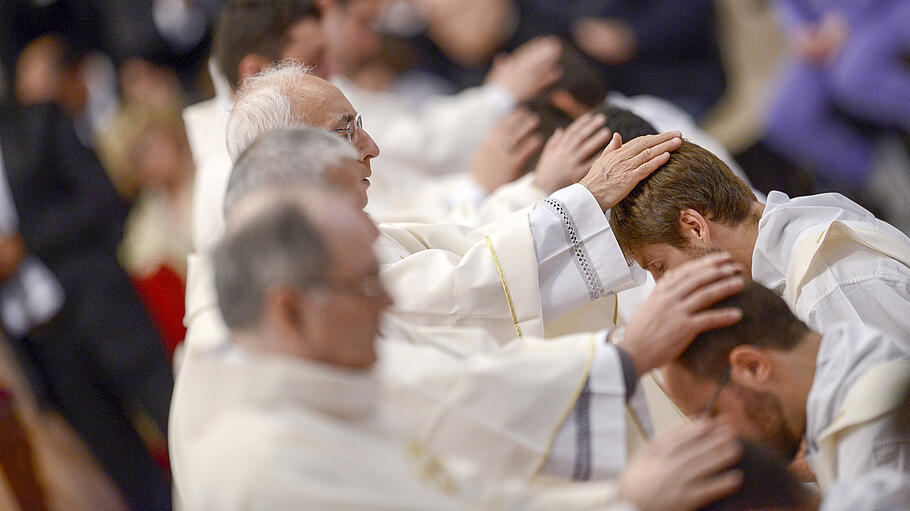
x=306 y=43
x=349 y=31
x=161 y=158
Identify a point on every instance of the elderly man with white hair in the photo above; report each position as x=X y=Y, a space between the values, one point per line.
x=292 y=392
x=509 y=277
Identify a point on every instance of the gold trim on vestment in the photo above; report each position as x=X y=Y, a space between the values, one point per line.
x=505 y=286
x=581 y=385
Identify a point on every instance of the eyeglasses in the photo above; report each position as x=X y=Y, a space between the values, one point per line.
x=724 y=379
x=352 y=129
x=367 y=287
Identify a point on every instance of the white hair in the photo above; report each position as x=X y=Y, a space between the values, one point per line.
x=264 y=103
x=300 y=154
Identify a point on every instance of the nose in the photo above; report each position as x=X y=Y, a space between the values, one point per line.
x=367 y=147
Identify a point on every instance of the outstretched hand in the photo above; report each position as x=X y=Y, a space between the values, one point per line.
x=569 y=152
x=678 y=310
x=502 y=156
x=621 y=166
x=528 y=70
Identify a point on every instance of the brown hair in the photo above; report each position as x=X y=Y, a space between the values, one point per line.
x=256 y=26
x=767 y=322
x=692 y=178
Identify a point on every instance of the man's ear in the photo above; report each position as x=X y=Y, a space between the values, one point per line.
x=694 y=227
x=282 y=310
x=568 y=103
x=750 y=366
x=251 y=64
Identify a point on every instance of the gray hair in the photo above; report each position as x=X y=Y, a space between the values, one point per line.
x=264 y=102
x=289 y=155
x=277 y=244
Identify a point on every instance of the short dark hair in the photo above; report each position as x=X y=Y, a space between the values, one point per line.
x=551 y=119
x=767 y=322
x=693 y=178
x=625 y=122
x=256 y=26
x=767 y=484
x=582 y=77
x=278 y=245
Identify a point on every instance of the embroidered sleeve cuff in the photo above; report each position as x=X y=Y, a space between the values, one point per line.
x=579 y=258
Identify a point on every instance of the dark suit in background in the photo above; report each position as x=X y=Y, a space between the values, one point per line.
x=100 y=358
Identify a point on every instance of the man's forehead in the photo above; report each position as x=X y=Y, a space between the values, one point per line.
x=321 y=103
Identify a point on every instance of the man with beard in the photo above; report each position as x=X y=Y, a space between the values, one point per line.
x=778 y=382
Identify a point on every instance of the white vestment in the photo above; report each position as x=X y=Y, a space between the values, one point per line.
x=449 y=282
x=273 y=433
x=842 y=279
x=878 y=490
x=861 y=379
x=206 y=124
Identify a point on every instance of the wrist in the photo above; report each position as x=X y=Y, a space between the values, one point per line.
x=640 y=358
x=592 y=187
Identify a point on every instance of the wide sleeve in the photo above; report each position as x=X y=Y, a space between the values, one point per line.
x=578 y=256
x=591 y=443
x=495 y=413
x=508 y=277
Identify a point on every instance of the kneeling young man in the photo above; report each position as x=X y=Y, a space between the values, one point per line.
x=831 y=259
x=778 y=382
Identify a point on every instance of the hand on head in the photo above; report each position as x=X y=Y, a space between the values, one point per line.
x=683 y=469
x=502 y=156
x=529 y=70
x=569 y=153
x=621 y=166
x=677 y=311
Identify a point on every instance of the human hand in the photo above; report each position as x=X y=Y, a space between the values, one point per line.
x=569 y=152
x=621 y=166
x=683 y=469
x=608 y=40
x=677 y=311
x=12 y=253
x=501 y=158
x=528 y=70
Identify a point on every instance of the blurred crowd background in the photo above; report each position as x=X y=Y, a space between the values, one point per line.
x=783 y=84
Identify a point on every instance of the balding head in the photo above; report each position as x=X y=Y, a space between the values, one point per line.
x=295 y=274
x=287 y=95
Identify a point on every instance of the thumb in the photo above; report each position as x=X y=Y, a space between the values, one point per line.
x=615 y=143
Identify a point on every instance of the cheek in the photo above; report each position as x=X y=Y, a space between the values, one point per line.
x=741 y=425
x=345 y=179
